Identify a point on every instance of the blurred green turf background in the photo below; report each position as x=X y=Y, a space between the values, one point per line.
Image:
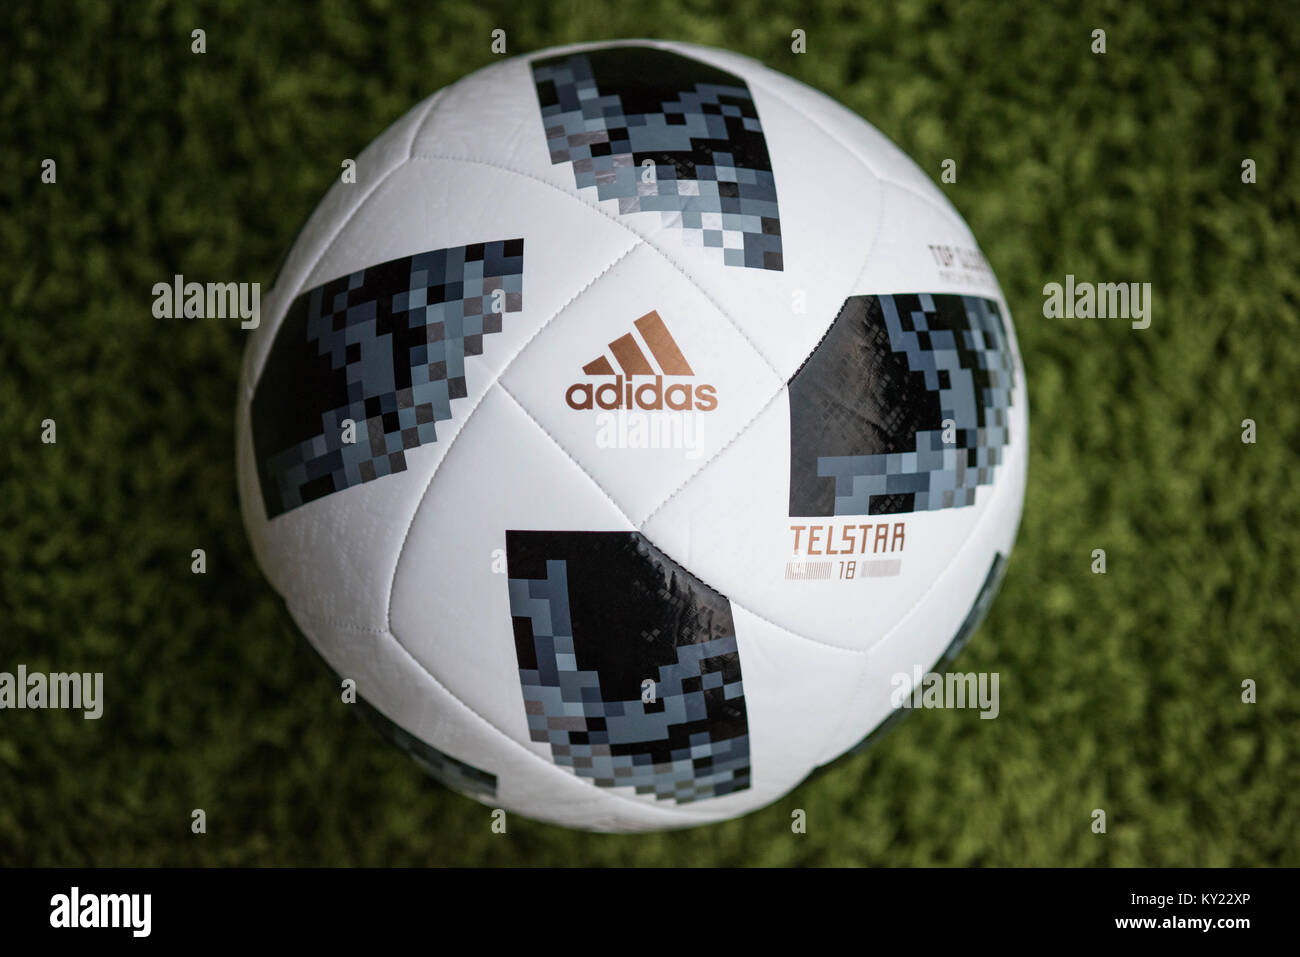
x=1119 y=691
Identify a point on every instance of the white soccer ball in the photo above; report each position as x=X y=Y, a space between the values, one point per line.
x=629 y=425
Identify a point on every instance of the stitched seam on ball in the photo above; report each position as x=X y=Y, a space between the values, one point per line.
x=714 y=457
x=857 y=155
x=250 y=385
x=465 y=425
x=296 y=612
x=618 y=222
x=428 y=115
x=628 y=519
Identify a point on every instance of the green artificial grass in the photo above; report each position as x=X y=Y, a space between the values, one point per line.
x=1119 y=691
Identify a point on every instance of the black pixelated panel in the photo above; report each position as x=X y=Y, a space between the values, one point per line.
x=606 y=112
x=643 y=78
x=869 y=406
x=384 y=347
x=595 y=615
x=853 y=396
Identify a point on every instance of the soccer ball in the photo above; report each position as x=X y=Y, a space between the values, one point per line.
x=625 y=430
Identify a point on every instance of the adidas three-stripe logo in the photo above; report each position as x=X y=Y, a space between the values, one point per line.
x=637 y=354
x=627 y=352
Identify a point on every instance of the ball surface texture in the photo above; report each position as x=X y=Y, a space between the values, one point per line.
x=627 y=428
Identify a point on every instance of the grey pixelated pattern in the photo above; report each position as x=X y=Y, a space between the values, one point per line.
x=680 y=747
x=608 y=111
x=976 y=397
x=385 y=347
x=451 y=772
